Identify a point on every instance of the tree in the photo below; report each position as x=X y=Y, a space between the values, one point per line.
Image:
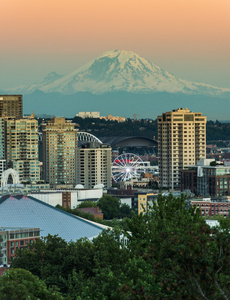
x=188 y=258
x=171 y=253
x=110 y=206
x=19 y=284
x=87 y=204
x=125 y=211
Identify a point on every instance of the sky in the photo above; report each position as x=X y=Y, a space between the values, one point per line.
x=189 y=38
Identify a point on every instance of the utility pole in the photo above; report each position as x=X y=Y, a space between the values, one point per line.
x=135 y=117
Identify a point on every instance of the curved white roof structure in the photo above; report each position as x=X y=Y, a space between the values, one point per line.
x=6 y=174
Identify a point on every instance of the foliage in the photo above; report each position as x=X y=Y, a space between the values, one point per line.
x=125 y=211
x=113 y=128
x=87 y=204
x=112 y=207
x=19 y=284
x=153 y=184
x=171 y=254
x=215 y=130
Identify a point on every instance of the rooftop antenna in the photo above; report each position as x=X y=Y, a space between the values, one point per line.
x=135 y=116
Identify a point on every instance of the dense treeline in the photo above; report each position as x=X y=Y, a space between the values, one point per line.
x=103 y=128
x=215 y=130
x=147 y=128
x=171 y=254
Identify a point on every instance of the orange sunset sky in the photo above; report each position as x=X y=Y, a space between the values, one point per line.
x=190 y=38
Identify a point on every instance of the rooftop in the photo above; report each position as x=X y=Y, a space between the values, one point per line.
x=26 y=211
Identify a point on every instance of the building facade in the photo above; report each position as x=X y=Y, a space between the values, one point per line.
x=2 y=147
x=59 y=152
x=2 y=138
x=181 y=143
x=94 y=165
x=212 y=207
x=142 y=200
x=12 y=239
x=113 y=118
x=213 y=181
x=188 y=180
x=21 y=147
x=11 y=106
x=207 y=180
x=88 y=114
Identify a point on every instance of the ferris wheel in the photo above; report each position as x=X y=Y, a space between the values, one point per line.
x=127 y=166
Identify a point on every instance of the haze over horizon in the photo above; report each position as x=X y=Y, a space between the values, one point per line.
x=188 y=38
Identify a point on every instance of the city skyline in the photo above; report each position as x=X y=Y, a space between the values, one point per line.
x=189 y=39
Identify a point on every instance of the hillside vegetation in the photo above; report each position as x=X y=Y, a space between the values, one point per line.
x=147 y=128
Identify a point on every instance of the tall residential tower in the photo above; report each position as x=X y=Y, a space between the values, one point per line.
x=94 y=165
x=59 y=152
x=21 y=147
x=11 y=106
x=181 y=143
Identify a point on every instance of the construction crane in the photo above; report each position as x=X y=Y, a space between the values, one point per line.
x=135 y=117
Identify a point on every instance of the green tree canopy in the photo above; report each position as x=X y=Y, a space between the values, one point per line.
x=20 y=284
x=87 y=204
x=171 y=254
x=110 y=206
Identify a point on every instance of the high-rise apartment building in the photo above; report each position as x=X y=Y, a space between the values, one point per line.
x=2 y=138
x=11 y=106
x=94 y=165
x=181 y=143
x=59 y=151
x=21 y=147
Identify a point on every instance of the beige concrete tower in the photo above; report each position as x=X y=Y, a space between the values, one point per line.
x=94 y=165
x=11 y=106
x=21 y=147
x=181 y=143
x=59 y=152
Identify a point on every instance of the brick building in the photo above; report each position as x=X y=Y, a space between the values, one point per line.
x=12 y=239
x=95 y=211
x=212 y=207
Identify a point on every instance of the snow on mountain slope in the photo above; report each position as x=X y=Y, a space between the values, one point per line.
x=29 y=88
x=121 y=71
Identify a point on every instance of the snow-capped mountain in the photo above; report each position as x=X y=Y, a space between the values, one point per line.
x=119 y=71
x=30 y=88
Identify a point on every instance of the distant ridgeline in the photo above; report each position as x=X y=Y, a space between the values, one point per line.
x=216 y=131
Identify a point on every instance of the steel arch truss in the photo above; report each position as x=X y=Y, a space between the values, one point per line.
x=87 y=137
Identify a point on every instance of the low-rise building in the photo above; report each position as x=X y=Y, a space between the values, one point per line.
x=113 y=118
x=207 y=180
x=125 y=195
x=67 y=197
x=12 y=239
x=88 y=114
x=142 y=200
x=95 y=211
x=210 y=207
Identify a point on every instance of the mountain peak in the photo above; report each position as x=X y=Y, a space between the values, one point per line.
x=116 y=53
x=123 y=56
x=120 y=70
